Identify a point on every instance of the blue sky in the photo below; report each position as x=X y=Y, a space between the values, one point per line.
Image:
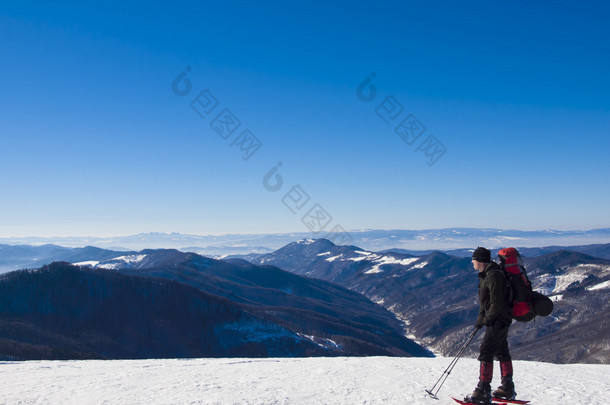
x=96 y=142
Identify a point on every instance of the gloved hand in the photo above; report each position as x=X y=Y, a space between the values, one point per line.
x=483 y=322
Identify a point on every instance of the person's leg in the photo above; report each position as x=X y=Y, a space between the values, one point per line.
x=507 y=389
x=482 y=392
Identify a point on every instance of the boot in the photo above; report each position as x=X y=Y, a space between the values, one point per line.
x=481 y=394
x=507 y=389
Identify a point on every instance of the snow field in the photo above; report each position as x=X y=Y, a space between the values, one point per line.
x=336 y=381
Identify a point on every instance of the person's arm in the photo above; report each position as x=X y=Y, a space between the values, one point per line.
x=495 y=282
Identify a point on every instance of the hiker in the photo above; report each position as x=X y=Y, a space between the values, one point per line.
x=495 y=315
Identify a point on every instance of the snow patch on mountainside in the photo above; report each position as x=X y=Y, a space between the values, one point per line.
x=374 y=270
x=120 y=262
x=377 y=258
x=383 y=260
x=564 y=281
x=419 y=265
x=322 y=342
x=88 y=263
x=308 y=241
x=392 y=260
x=586 y=267
x=605 y=284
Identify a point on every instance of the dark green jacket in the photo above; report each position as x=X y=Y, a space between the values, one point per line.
x=493 y=296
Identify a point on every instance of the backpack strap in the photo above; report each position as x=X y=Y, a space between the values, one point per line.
x=509 y=287
x=494 y=268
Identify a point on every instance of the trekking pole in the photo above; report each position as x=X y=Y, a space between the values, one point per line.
x=449 y=368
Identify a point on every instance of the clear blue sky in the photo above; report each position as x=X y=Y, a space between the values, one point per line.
x=96 y=142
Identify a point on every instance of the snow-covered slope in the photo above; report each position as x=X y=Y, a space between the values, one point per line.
x=336 y=381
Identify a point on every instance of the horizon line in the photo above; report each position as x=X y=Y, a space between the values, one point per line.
x=307 y=233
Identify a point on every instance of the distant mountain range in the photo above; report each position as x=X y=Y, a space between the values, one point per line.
x=435 y=294
x=313 y=302
x=597 y=250
x=15 y=257
x=373 y=240
x=165 y=303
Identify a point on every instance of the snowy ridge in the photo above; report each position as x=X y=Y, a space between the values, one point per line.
x=381 y=260
x=377 y=258
x=88 y=263
x=113 y=264
x=332 y=381
x=120 y=262
x=554 y=285
x=563 y=282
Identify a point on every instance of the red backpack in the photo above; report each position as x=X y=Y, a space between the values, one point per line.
x=525 y=302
